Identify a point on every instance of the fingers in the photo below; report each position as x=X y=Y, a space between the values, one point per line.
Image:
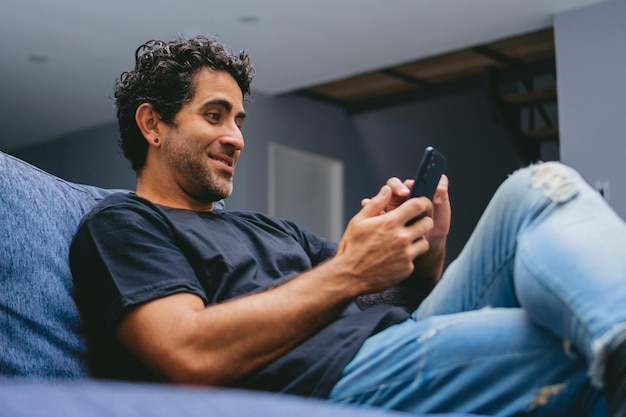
x=392 y=196
x=420 y=226
x=415 y=237
x=375 y=205
x=441 y=194
x=442 y=212
x=399 y=193
x=404 y=214
x=398 y=188
x=411 y=213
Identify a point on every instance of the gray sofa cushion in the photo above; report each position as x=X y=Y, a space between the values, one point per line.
x=39 y=322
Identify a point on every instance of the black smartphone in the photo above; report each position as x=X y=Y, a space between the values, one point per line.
x=429 y=172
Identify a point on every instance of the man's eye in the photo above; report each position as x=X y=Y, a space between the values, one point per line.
x=213 y=116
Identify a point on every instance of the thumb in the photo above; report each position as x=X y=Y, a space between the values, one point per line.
x=376 y=204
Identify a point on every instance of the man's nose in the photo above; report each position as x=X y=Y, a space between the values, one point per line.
x=233 y=137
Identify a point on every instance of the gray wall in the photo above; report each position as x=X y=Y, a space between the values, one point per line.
x=89 y=156
x=591 y=63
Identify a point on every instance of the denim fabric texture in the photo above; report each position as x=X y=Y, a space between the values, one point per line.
x=39 y=322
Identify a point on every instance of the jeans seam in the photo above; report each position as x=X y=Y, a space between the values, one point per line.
x=556 y=295
x=572 y=313
x=478 y=302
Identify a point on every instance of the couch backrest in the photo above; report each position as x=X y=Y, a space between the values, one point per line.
x=39 y=322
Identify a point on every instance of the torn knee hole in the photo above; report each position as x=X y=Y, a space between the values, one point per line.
x=556 y=181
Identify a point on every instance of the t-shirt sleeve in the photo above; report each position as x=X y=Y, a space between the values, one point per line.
x=124 y=255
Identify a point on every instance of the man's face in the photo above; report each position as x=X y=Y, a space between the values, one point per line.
x=202 y=147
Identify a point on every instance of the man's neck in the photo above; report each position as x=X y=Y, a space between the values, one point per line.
x=163 y=196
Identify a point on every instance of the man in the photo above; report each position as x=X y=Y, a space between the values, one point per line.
x=173 y=288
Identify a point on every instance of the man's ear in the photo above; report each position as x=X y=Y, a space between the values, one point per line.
x=148 y=121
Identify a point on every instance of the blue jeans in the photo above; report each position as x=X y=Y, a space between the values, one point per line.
x=521 y=322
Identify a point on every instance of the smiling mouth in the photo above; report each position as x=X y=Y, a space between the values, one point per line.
x=223 y=159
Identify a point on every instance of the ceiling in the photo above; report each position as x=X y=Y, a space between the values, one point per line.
x=61 y=57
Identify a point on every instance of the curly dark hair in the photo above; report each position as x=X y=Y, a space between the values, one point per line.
x=164 y=77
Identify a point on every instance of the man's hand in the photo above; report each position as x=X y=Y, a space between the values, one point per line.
x=378 y=245
x=430 y=264
x=440 y=211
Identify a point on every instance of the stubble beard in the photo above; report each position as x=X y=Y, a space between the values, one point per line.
x=201 y=182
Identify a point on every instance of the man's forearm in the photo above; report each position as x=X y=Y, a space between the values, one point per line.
x=184 y=341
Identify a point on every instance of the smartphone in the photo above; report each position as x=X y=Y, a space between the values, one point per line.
x=429 y=172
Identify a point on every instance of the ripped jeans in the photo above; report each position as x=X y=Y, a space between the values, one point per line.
x=521 y=322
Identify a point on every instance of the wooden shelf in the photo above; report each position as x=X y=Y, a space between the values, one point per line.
x=532 y=97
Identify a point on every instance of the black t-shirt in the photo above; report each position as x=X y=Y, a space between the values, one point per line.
x=129 y=251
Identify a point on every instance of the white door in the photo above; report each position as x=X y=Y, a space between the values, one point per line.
x=306 y=188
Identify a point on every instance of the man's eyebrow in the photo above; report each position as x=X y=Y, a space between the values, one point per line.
x=222 y=103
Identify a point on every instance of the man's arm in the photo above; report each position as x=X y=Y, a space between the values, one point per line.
x=182 y=340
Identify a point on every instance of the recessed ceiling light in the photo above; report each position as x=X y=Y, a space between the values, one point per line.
x=40 y=58
x=249 y=19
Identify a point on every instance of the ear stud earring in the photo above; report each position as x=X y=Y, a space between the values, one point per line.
x=156 y=140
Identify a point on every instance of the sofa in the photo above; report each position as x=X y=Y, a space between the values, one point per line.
x=42 y=366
